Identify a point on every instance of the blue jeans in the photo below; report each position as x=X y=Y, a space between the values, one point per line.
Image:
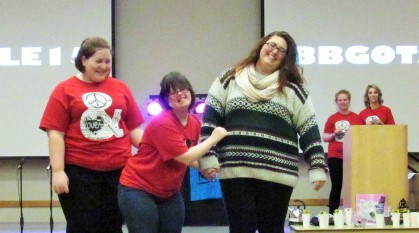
x=145 y=213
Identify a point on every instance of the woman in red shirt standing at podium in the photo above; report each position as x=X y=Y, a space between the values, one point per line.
x=334 y=131
x=375 y=113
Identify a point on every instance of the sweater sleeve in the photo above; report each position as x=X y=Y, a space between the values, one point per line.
x=304 y=120
x=213 y=117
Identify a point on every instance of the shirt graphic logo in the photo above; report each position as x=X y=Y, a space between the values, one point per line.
x=343 y=126
x=95 y=123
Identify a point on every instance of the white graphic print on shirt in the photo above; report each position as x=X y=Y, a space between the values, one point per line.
x=95 y=123
x=343 y=126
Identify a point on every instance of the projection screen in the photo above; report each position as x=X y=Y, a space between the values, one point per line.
x=39 y=40
x=350 y=44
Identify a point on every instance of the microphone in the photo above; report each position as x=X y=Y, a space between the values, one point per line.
x=20 y=192
x=22 y=161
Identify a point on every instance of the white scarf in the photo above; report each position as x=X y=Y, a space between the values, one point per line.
x=257 y=87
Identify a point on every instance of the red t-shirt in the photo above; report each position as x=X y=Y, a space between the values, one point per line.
x=382 y=112
x=153 y=168
x=96 y=119
x=343 y=122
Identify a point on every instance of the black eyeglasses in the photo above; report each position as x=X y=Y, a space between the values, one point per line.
x=175 y=93
x=273 y=46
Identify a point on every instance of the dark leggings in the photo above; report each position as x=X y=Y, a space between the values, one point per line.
x=336 y=173
x=255 y=205
x=91 y=206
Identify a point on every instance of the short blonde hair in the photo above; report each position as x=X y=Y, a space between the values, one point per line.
x=343 y=91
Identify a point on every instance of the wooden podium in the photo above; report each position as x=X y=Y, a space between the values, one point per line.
x=375 y=162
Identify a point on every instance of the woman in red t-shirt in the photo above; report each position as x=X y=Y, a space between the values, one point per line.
x=375 y=113
x=92 y=121
x=334 y=131
x=149 y=192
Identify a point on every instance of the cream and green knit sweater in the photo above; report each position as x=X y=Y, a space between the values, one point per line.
x=264 y=136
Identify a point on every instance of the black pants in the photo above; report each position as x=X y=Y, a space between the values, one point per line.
x=336 y=176
x=91 y=206
x=255 y=205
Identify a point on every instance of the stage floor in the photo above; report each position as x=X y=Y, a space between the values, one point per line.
x=60 y=228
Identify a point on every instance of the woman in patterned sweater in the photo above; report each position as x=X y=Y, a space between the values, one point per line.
x=269 y=114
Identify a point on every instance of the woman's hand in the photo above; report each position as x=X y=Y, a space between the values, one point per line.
x=377 y=121
x=219 y=133
x=317 y=185
x=60 y=182
x=339 y=134
x=210 y=173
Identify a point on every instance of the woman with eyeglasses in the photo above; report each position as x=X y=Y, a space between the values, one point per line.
x=149 y=192
x=375 y=113
x=261 y=101
x=334 y=131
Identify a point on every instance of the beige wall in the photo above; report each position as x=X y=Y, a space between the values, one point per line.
x=195 y=37
x=35 y=187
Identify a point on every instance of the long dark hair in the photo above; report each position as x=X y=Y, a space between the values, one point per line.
x=290 y=71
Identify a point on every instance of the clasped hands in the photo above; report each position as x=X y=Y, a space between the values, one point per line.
x=210 y=173
x=375 y=121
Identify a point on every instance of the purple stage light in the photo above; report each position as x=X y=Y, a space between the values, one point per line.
x=154 y=108
x=199 y=108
